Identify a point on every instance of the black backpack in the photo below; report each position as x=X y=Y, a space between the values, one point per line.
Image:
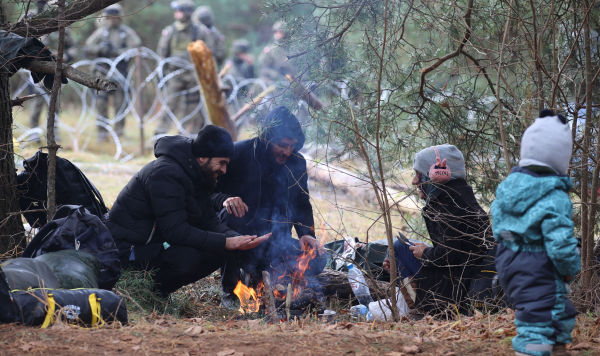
x=72 y=188
x=74 y=228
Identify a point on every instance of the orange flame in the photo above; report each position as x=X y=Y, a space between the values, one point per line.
x=249 y=302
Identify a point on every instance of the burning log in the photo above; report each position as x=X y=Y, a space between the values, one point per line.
x=206 y=73
x=268 y=297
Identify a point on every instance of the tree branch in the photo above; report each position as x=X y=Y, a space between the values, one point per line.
x=45 y=22
x=90 y=81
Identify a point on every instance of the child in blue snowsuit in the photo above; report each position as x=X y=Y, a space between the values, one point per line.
x=537 y=252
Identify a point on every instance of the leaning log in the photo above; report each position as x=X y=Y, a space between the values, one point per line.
x=206 y=73
x=335 y=283
x=302 y=92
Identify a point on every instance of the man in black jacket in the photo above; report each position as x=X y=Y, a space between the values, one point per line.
x=164 y=218
x=269 y=175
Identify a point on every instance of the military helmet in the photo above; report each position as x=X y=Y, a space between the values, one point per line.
x=240 y=46
x=187 y=6
x=278 y=26
x=204 y=15
x=114 y=10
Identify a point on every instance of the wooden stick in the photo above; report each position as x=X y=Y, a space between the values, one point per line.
x=270 y=298
x=303 y=93
x=206 y=73
x=20 y=100
x=225 y=69
x=90 y=81
x=288 y=301
x=253 y=103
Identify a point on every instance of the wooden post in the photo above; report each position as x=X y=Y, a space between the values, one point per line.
x=269 y=298
x=206 y=73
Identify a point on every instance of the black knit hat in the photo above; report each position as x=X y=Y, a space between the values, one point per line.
x=280 y=123
x=212 y=141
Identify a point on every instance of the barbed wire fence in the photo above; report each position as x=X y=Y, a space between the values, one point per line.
x=144 y=87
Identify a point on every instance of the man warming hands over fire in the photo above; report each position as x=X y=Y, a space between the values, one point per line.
x=164 y=219
x=266 y=191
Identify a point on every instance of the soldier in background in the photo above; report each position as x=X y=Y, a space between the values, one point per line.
x=110 y=40
x=241 y=64
x=203 y=15
x=241 y=61
x=273 y=61
x=69 y=54
x=173 y=43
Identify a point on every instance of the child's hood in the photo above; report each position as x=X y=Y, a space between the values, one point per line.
x=523 y=188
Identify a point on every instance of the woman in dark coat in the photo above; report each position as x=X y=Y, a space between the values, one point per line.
x=458 y=228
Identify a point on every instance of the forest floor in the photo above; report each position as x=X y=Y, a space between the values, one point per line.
x=199 y=326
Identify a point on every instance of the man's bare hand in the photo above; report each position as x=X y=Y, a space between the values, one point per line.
x=235 y=206
x=309 y=241
x=245 y=242
x=417 y=249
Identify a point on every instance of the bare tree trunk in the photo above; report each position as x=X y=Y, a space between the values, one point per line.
x=11 y=229
x=587 y=221
x=52 y=146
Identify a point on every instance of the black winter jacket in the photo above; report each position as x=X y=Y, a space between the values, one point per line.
x=276 y=195
x=461 y=235
x=170 y=193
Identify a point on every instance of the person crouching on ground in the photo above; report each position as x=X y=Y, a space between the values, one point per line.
x=537 y=252
x=164 y=218
x=458 y=229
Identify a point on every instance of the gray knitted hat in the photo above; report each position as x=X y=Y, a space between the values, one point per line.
x=425 y=158
x=548 y=143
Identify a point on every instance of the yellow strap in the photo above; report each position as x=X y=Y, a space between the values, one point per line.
x=95 y=308
x=50 y=313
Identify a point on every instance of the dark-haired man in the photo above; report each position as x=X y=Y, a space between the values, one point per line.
x=269 y=175
x=164 y=218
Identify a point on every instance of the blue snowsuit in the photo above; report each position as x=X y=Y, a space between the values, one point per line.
x=531 y=219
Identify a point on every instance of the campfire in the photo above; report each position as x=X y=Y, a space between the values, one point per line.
x=292 y=289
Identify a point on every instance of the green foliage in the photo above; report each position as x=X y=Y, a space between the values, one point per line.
x=137 y=289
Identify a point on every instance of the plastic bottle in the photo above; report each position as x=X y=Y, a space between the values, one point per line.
x=361 y=312
x=359 y=285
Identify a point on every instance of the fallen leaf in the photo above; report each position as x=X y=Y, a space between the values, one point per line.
x=413 y=349
x=136 y=348
x=132 y=339
x=581 y=346
x=394 y=353
x=26 y=347
x=194 y=330
x=229 y=352
x=418 y=340
x=254 y=324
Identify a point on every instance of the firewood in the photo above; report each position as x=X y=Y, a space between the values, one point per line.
x=268 y=297
x=288 y=300
x=214 y=100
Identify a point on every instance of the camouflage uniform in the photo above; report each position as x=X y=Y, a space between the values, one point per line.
x=242 y=65
x=110 y=42
x=203 y=15
x=273 y=62
x=69 y=54
x=173 y=43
